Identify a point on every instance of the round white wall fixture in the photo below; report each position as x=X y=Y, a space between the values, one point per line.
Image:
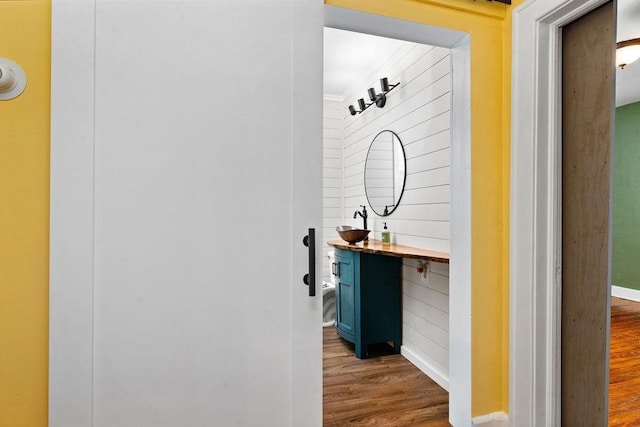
x=12 y=79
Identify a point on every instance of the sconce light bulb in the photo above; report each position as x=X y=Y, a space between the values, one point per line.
x=352 y=110
x=384 y=84
x=372 y=94
x=361 y=104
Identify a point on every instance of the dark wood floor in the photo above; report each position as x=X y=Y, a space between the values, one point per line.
x=382 y=390
x=624 y=371
x=387 y=390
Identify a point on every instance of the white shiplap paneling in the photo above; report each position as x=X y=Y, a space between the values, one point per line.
x=332 y=171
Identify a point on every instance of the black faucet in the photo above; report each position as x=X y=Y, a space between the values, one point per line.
x=363 y=214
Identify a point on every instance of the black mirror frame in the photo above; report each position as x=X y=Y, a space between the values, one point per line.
x=386 y=212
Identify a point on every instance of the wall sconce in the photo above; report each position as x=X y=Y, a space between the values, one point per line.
x=627 y=51
x=379 y=99
x=12 y=79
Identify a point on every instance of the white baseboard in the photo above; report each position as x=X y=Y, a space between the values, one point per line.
x=625 y=293
x=440 y=378
x=495 y=419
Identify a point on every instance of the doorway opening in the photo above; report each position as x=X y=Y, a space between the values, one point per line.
x=536 y=258
x=625 y=274
x=428 y=111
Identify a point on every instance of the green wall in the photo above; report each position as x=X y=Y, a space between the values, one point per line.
x=626 y=198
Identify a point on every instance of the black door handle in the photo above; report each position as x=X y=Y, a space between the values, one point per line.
x=309 y=279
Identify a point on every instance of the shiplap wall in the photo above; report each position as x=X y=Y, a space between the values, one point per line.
x=332 y=176
x=419 y=112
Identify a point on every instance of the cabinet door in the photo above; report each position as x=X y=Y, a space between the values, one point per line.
x=345 y=287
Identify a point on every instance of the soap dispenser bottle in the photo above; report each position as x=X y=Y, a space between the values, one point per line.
x=386 y=235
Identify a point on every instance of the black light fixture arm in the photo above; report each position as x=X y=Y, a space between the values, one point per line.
x=377 y=99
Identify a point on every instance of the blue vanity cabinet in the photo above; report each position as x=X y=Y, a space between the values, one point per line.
x=345 y=293
x=368 y=299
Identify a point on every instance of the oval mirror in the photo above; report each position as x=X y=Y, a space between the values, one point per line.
x=385 y=172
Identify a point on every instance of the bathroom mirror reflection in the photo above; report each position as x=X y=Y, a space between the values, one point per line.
x=385 y=173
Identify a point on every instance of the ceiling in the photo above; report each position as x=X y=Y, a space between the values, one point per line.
x=349 y=57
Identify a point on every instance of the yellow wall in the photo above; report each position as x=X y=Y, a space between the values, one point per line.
x=24 y=217
x=489 y=24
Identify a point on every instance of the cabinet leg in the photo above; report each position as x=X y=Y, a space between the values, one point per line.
x=361 y=350
x=396 y=346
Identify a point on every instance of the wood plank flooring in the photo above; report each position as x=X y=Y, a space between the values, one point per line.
x=387 y=390
x=624 y=366
x=382 y=390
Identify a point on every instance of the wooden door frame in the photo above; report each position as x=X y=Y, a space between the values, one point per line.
x=535 y=224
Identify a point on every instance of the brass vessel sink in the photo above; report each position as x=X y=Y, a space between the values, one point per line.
x=351 y=234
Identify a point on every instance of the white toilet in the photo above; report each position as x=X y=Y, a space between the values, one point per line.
x=329 y=297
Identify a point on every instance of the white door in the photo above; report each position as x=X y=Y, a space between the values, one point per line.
x=186 y=170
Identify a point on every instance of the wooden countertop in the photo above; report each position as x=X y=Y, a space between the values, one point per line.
x=375 y=247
